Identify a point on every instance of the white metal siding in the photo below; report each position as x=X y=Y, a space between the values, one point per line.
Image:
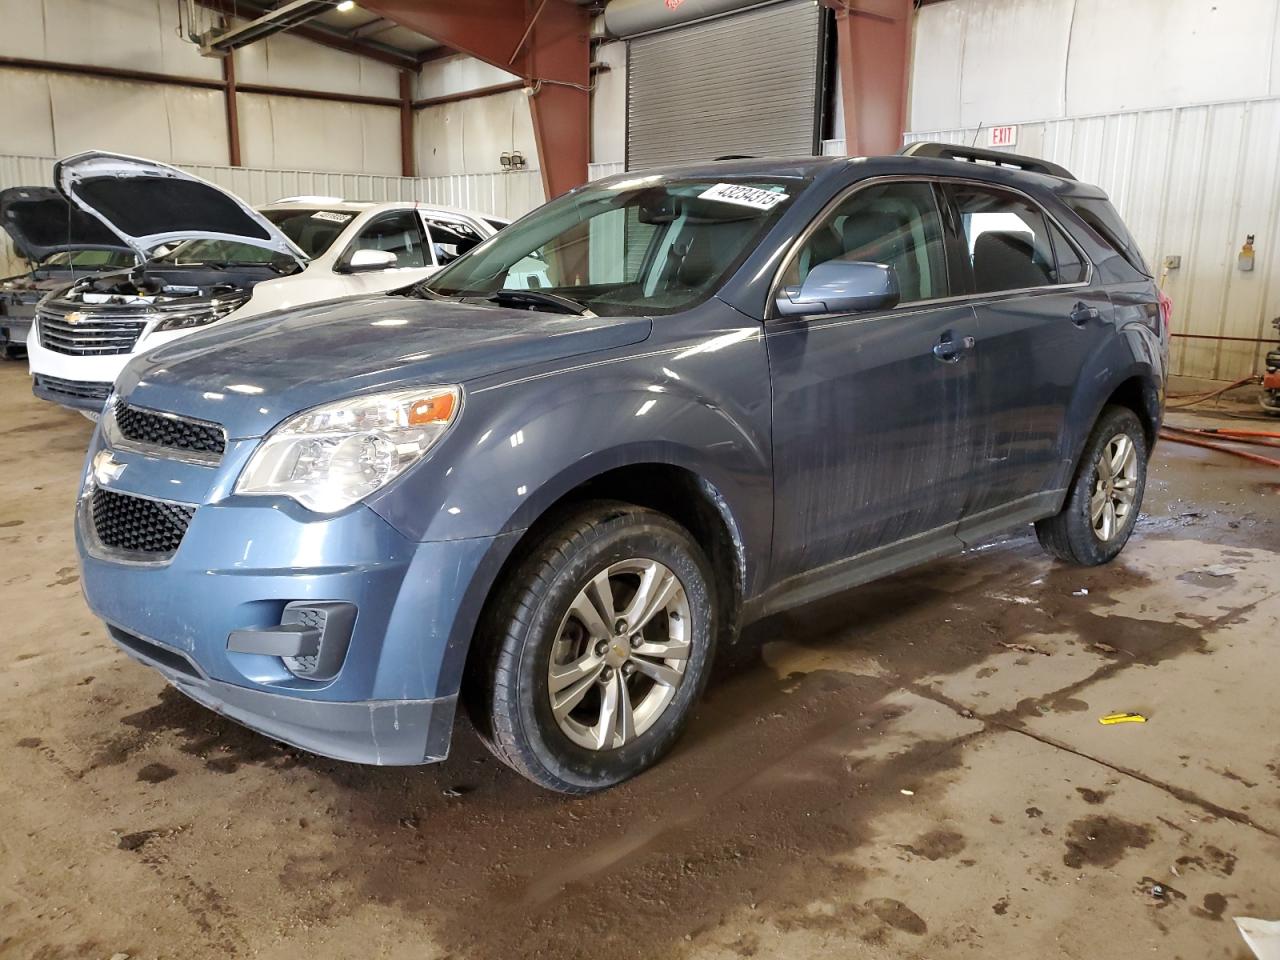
x=1192 y=182
x=745 y=83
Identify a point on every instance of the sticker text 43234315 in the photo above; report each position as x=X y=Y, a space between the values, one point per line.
x=743 y=195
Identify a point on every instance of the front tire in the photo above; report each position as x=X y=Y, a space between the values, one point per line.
x=599 y=644
x=1102 y=504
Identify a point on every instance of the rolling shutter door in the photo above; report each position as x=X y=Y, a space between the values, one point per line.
x=743 y=83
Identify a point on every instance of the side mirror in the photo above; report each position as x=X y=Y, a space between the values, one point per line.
x=362 y=261
x=841 y=286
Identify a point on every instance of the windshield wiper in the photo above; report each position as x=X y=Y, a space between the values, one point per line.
x=540 y=298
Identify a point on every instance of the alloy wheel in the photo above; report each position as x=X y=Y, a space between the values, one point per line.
x=620 y=654
x=1115 y=487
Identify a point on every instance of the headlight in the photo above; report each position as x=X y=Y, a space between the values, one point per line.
x=185 y=318
x=334 y=455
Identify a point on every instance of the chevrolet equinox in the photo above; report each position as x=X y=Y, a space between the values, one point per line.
x=546 y=483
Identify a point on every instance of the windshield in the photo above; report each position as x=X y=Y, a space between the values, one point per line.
x=312 y=231
x=645 y=245
x=90 y=259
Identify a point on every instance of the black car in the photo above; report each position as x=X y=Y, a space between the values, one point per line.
x=729 y=388
x=61 y=245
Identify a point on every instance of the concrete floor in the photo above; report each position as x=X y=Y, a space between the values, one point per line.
x=915 y=769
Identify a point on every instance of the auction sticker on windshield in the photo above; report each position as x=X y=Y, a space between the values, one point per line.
x=332 y=216
x=743 y=195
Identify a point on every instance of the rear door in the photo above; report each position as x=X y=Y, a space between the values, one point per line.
x=1040 y=318
x=872 y=427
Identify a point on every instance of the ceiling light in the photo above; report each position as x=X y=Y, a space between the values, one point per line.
x=346 y=6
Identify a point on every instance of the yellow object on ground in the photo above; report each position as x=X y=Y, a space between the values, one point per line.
x=1111 y=718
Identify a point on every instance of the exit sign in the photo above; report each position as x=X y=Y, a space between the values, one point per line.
x=1002 y=136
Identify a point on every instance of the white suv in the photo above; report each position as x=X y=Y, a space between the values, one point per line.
x=210 y=258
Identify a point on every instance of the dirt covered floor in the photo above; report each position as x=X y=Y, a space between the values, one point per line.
x=914 y=769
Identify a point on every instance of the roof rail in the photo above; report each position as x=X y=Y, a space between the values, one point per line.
x=954 y=151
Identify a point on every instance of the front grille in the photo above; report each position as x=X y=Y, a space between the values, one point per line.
x=73 y=389
x=169 y=430
x=94 y=331
x=139 y=525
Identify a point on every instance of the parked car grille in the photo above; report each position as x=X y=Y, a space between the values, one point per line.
x=139 y=525
x=169 y=430
x=73 y=389
x=90 y=332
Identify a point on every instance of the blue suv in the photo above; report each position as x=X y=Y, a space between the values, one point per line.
x=551 y=481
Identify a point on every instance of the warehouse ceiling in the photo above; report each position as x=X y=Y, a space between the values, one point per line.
x=354 y=30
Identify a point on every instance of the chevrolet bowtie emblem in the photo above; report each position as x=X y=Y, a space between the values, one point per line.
x=74 y=317
x=106 y=468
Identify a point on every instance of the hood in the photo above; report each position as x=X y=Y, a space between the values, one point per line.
x=41 y=223
x=251 y=375
x=148 y=204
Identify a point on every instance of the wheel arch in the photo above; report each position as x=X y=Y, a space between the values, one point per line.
x=679 y=492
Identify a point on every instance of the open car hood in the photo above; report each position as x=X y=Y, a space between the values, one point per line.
x=41 y=223
x=149 y=204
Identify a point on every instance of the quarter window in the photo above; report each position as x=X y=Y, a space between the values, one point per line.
x=1071 y=268
x=397 y=233
x=894 y=223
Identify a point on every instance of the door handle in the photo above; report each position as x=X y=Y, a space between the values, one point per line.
x=1082 y=314
x=949 y=350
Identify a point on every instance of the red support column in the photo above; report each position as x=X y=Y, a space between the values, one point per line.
x=232 y=108
x=408 y=162
x=544 y=42
x=873 y=44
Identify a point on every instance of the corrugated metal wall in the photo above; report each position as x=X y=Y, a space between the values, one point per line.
x=501 y=194
x=1191 y=182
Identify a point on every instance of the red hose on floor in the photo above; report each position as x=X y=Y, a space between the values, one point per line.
x=1208 y=445
x=1209 y=434
x=1191 y=399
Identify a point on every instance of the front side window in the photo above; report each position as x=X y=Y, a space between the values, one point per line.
x=643 y=245
x=894 y=223
x=397 y=233
x=1008 y=240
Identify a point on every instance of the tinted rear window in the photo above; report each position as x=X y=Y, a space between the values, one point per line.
x=1102 y=217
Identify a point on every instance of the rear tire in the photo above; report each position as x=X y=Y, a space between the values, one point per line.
x=1105 y=496
x=571 y=695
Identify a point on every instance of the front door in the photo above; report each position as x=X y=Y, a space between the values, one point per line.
x=872 y=430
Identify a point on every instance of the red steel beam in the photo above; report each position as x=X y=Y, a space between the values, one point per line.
x=544 y=42
x=873 y=46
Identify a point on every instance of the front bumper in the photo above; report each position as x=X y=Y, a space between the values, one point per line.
x=382 y=732
x=74 y=394
x=241 y=563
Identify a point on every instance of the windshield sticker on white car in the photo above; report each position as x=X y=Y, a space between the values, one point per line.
x=331 y=216
x=743 y=196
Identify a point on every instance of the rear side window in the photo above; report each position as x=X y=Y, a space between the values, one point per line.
x=1008 y=240
x=451 y=238
x=1106 y=223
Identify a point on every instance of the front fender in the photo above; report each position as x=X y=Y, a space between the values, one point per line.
x=519 y=447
